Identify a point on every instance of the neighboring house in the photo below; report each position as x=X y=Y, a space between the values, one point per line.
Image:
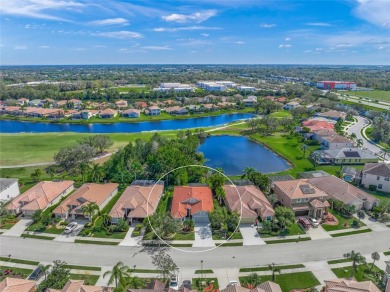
x=313 y=173
x=291 y=105
x=154 y=110
x=140 y=105
x=44 y=194
x=322 y=133
x=176 y=110
x=250 y=100
x=9 y=188
x=344 y=156
x=275 y=178
x=108 y=113
x=121 y=103
x=349 y=285
x=281 y=99
x=249 y=202
x=72 y=206
x=23 y=101
x=192 y=202
x=131 y=113
x=78 y=286
x=138 y=201
x=87 y=114
x=76 y=103
x=36 y=103
x=378 y=175
x=336 y=141
x=302 y=197
x=333 y=115
x=351 y=174
x=17 y=285
x=348 y=194
x=386 y=277
x=267 y=286
x=315 y=125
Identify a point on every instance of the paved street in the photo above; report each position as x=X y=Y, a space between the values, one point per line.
x=250 y=235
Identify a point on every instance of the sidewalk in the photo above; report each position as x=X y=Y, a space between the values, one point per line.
x=348 y=230
x=18 y=228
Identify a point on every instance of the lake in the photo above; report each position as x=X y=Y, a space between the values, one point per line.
x=233 y=154
x=121 y=127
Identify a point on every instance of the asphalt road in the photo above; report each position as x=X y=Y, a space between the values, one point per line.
x=365 y=102
x=223 y=257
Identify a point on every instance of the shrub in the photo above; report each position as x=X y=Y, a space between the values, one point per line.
x=372 y=187
x=355 y=224
x=40 y=227
x=63 y=223
x=312 y=142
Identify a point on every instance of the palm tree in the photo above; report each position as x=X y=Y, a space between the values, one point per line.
x=44 y=269
x=131 y=283
x=304 y=148
x=90 y=209
x=361 y=214
x=96 y=173
x=376 y=257
x=274 y=270
x=359 y=143
x=106 y=218
x=118 y=272
x=356 y=258
x=248 y=171
x=84 y=168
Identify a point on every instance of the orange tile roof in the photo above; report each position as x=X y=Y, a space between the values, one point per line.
x=315 y=125
x=293 y=189
x=16 y=285
x=346 y=285
x=190 y=197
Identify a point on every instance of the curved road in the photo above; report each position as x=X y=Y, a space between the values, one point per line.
x=223 y=257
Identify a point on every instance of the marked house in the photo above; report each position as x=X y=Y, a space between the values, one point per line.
x=138 y=201
x=131 y=113
x=108 y=113
x=72 y=206
x=40 y=196
x=192 y=202
x=9 y=188
x=302 y=197
x=254 y=203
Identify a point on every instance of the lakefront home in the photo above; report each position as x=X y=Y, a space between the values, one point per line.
x=131 y=113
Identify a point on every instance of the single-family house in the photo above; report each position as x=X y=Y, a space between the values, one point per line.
x=349 y=285
x=78 y=286
x=76 y=103
x=344 y=156
x=378 y=175
x=192 y=202
x=44 y=194
x=138 y=201
x=10 y=284
x=351 y=174
x=348 y=194
x=249 y=202
x=60 y=103
x=332 y=114
x=281 y=99
x=9 y=188
x=316 y=125
x=321 y=133
x=72 y=206
x=302 y=197
x=176 y=110
x=10 y=110
x=336 y=141
x=23 y=101
x=291 y=105
x=312 y=173
x=266 y=286
x=153 y=110
x=121 y=103
x=87 y=114
x=108 y=113
x=131 y=113
x=250 y=100
x=36 y=103
x=140 y=105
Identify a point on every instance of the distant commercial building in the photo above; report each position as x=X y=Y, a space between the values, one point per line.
x=215 y=85
x=176 y=87
x=246 y=88
x=340 y=85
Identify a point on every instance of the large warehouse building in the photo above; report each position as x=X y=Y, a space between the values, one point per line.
x=340 y=85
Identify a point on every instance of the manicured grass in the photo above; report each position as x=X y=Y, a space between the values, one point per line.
x=294 y=229
x=95 y=242
x=166 y=245
x=218 y=236
x=7 y=222
x=384 y=197
x=360 y=275
x=23 y=272
x=19 y=261
x=86 y=268
x=261 y=269
x=380 y=95
x=197 y=283
x=288 y=282
x=227 y=244
x=204 y=272
x=351 y=233
x=88 y=279
x=287 y=240
x=103 y=234
x=342 y=221
x=387 y=253
x=332 y=262
x=37 y=236
x=184 y=236
x=145 y=271
x=52 y=230
x=281 y=114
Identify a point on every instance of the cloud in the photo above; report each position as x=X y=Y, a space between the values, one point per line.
x=38 y=8
x=157 y=48
x=344 y=45
x=240 y=43
x=317 y=24
x=287 y=39
x=81 y=49
x=205 y=34
x=285 y=46
x=267 y=25
x=308 y=51
x=109 y=21
x=22 y=47
x=193 y=27
x=375 y=12
x=100 y=46
x=123 y=34
x=197 y=17
x=44 y=47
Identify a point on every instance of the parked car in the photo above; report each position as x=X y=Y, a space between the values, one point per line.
x=174 y=282
x=304 y=223
x=187 y=284
x=36 y=274
x=314 y=222
x=234 y=283
x=71 y=227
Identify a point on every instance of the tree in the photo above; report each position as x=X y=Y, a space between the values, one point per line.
x=84 y=169
x=375 y=257
x=106 y=218
x=37 y=215
x=274 y=269
x=359 y=143
x=57 y=277
x=248 y=171
x=304 y=148
x=70 y=158
x=50 y=170
x=130 y=283
x=361 y=214
x=285 y=217
x=164 y=225
x=272 y=198
x=99 y=142
x=252 y=280
x=216 y=181
x=90 y=210
x=356 y=258
x=36 y=174
x=96 y=174
x=164 y=263
x=118 y=272
x=45 y=269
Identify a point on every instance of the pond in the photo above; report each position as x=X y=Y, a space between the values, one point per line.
x=122 y=127
x=233 y=154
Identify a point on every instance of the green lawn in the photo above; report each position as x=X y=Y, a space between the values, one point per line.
x=281 y=114
x=37 y=236
x=292 y=281
x=294 y=229
x=184 y=236
x=387 y=253
x=332 y=262
x=19 y=261
x=380 y=95
x=351 y=233
x=261 y=269
x=197 y=283
x=17 y=271
x=88 y=279
x=6 y=222
x=227 y=244
x=385 y=197
x=204 y=272
x=361 y=275
x=287 y=240
x=219 y=236
x=85 y=268
x=342 y=221
x=95 y=242
x=52 y=230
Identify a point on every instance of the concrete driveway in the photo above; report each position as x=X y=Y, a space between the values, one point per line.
x=130 y=240
x=250 y=235
x=70 y=237
x=18 y=228
x=203 y=235
x=318 y=233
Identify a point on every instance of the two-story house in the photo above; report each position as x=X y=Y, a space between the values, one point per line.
x=336 y=141
x=378 y=175
x=154 y=110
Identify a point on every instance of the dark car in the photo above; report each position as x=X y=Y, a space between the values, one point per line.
x=304 y=222
x=187 y=284
x=36 y=274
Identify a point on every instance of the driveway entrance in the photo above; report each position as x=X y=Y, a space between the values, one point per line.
x=18 y=228
x=203 y=235
x=250 y=235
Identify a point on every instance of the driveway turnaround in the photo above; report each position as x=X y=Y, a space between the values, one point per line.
x=318 y=233
x=18 y=228
x=203 y=235
x=250 y=235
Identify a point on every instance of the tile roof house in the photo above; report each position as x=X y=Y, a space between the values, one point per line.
x=140 y=104
x=315 y=125
x=107 y=113
x=344 y=156
x=153 y=110
x=249 y=202
x=131 y=113
x=376 y=174
x=121 y=103
x=340 y=190
x=291 y=105
x=192 y=201
x=333 y=115
x=72 y=206
x=9 y=188
x=336 y=141
x=267 y=286
x=346 y=285
x=78 y=286
x=137 y=202
x=302 y=197
x=176 y=110
x=39 y=197
x=17 y=285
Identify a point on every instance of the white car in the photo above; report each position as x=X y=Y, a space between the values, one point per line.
x=314 y=222
x=234 y=283
x=174 y=282
x=71 y=227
